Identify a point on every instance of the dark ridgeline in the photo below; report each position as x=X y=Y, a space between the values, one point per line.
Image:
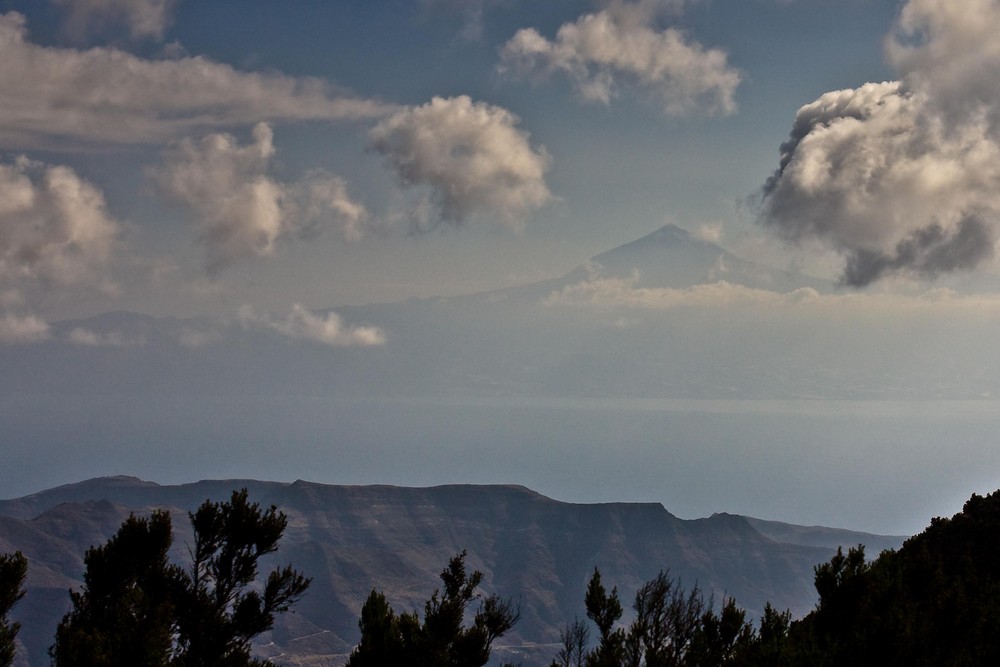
x=532 y=549
x=935 y=601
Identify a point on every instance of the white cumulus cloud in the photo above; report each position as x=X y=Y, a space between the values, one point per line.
x=240 y=211
x=949 y=51
x=471 y=155
x=803 y=304
x=26 y=329
x=88 y=338
x=328 y=329
x=144 y=18
x=621 y=46
x=54 y=227
x=49 y=94
x=623 y=293
x=902 y=177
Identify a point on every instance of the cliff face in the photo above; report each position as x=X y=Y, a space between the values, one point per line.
x=353 y=538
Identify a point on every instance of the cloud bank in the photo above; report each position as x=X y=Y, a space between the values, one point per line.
x=902 y=177
x=621 y=46
x=329 y=329
x=622 y=293
x=49 y=95
x=471 y=156
x=86 y=337
x=238 y=210
x=28 y=329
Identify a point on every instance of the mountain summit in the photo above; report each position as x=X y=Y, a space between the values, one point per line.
x=673 y=257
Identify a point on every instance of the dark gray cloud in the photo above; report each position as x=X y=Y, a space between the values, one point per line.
x=885 y=174
x=926 y=253
x=830 y=108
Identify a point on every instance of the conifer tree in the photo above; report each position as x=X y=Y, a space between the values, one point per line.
x=137 y=608
x=672 y=628
x=124 y=615
x=440 y=639
x=605 y=610
x=13 y=570
x=219 y=614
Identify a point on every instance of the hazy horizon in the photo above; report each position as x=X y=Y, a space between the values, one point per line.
x=839 y=464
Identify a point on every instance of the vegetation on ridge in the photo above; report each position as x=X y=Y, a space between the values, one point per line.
x=935 y=601
x=440 y=639
x=13 y=569
x=137 y=608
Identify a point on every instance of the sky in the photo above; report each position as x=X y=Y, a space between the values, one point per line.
x=184 y=158
x=259 y=161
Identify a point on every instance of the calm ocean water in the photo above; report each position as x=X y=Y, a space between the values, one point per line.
x=868 y=465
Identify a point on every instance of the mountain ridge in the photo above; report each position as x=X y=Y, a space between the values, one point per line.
x=352 y=538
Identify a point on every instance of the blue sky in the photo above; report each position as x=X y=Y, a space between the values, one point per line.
x=613 y=169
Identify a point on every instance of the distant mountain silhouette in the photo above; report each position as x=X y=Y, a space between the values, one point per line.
x=353 y=538
x=524 y=341
x=672 y=257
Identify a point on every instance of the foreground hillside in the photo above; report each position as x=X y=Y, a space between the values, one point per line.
x=349 y=539
x=932 y=603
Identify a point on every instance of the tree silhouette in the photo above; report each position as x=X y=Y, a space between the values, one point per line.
x=137 y=608
x=441 y=639
x=219 y=613
x=934 y=602
x=125 y=612
x=672 y=628
x=13 y=570
x=605 y=610
x=574 y=638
